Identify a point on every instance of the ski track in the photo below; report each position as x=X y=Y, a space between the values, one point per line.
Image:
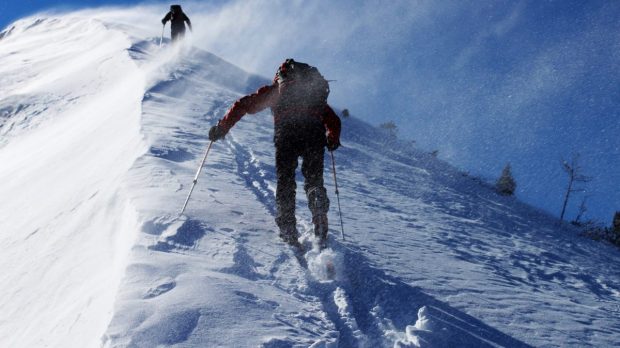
x=254 y=173
x=256 y=177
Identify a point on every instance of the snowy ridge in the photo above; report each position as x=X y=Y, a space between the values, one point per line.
x=66 y=222
x=95 y=256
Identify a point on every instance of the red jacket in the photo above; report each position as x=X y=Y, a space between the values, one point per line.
x=268 y=97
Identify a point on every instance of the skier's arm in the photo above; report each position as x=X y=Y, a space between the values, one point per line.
x=332 y=127
x=250 y=104
x=189 y=24
x=166 y=18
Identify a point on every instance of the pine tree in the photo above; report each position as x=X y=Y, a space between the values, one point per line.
x=506 y=184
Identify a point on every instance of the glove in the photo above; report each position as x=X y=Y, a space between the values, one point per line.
x=163 y=21
x=332 y=144
x=216 y=133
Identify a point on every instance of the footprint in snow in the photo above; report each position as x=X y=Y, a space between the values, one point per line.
x=160 y=289
x=251 y=298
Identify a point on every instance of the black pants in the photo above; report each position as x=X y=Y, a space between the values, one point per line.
x=305 y=140
x=177 y=34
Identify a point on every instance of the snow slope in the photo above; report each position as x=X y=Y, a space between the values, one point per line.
x=70 y=121
x=102 y=132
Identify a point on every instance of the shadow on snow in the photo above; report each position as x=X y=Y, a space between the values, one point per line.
x=399 y=302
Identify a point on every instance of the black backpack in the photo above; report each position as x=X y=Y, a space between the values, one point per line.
x=301 y=85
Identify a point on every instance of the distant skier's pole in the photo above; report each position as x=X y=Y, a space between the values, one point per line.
x=204 y=159
x=162 y=34
x=337 y=193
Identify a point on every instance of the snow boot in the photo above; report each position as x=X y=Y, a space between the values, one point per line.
x=290 y=236
x=319 y=205
x=320 y=229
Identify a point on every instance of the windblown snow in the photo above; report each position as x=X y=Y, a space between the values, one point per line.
x=101 y=133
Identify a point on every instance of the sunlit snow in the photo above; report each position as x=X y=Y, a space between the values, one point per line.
x=101 y=133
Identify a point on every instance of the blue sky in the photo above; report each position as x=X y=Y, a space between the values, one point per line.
x=483 y=82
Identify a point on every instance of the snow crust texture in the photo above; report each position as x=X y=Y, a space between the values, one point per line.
x=70 y=130
x=101 y=135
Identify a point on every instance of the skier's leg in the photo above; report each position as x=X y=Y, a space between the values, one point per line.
x=177 y=34
x=312 y=169
x=286 y=163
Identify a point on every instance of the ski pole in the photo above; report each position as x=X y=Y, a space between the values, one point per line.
x=204 y=159
x=337 y=193
x=162 y=34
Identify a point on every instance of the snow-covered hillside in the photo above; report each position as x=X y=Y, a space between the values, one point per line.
x=101 y=134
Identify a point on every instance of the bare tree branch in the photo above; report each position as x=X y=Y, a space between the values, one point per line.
x=575 y=175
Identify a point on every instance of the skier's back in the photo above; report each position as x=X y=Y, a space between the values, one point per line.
x=303 y=125
x=177 y=19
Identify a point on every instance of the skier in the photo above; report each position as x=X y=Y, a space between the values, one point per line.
x=304 y=124
x=177 y=22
